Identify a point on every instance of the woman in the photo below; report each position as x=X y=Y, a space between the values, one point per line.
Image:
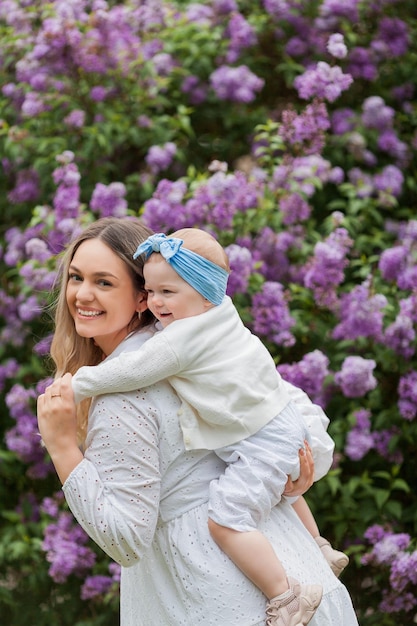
x=134 y=489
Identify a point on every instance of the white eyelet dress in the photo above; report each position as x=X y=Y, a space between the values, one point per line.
x=143 y=499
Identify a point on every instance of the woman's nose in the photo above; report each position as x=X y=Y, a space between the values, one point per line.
x=85 y=291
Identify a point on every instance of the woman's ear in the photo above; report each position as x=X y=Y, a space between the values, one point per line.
x=142 y=302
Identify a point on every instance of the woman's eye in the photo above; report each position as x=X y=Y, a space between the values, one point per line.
x=74 y=277
x=104 y=283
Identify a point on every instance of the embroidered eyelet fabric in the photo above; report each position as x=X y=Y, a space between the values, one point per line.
x=144 y=500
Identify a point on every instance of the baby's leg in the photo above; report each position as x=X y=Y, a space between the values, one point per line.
x=252 y=484
x=336 y=559
x=303 y=511
x=254 y=556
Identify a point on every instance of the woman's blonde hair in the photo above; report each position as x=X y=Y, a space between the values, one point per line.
x=69 y=351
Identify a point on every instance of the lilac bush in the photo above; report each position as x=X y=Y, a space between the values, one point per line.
x=288 y=130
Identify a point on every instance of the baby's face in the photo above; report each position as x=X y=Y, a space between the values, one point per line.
x=170 y=297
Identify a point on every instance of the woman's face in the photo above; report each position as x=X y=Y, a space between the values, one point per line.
x=101 y=296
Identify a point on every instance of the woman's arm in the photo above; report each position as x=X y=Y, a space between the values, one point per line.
x=113 y=489
x=57 y=423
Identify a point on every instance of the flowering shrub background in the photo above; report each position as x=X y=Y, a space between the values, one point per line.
x=289 y=130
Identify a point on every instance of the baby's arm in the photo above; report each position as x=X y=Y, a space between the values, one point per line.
x=152 y=362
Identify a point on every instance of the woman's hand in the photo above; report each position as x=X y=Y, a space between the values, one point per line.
x=57 y=421
x=306 y=477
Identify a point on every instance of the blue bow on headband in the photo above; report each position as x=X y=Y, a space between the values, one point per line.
x=204 y=276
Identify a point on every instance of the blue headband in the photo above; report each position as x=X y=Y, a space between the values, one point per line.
x=204 y=276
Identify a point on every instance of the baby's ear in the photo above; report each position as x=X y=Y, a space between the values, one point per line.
x=208 y=305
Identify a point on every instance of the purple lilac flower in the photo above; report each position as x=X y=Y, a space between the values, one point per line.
x=343 y=121
x=325 y=271
x=115 y=571
x=272 y=248
x=334 y=8
x=98 y=93
x=300 y=173
x=163 y=63
x=387 y=548
x=308 y=374
x=359 y=441
x=223 y=196
x=109 y=200
x=37 y=249
x=362 y=64
x=237 y=84
x=16 y=243
x=390 y=180
x=400 y=336
x=67 y=197
x=407 y=395
x=389 y=142
x=322 y=82
x=165 y=211
x=160 y=157
x=362 y=181
x=297 y=47
x=241 y=265
x=382 y=444
x=241 y=35
x=200 y=13
x=13 y=332
x=196 y=90
x=307 y=128
x=64 y=544
x=271 y=316
x=393 y=602
x=336 y=176
x=66 y=202
x=23 y=438
x=29 y=309
x=75 y=119
x=374 y=534
x=393 y=34
x=224 y=6
x=376 y=114
x=404 y=570
x=336 y=46
x=356 y=376
x=8 y=369
x=94 y=586
x=398 y=263
x=50 y=506
x=408 y=307
x=43 y=347
x=281 y=10
x=361 y=314
x=294 y=209
x=33 y=105
x=26 y=188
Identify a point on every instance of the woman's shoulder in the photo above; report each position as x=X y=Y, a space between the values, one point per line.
x=135 y=340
